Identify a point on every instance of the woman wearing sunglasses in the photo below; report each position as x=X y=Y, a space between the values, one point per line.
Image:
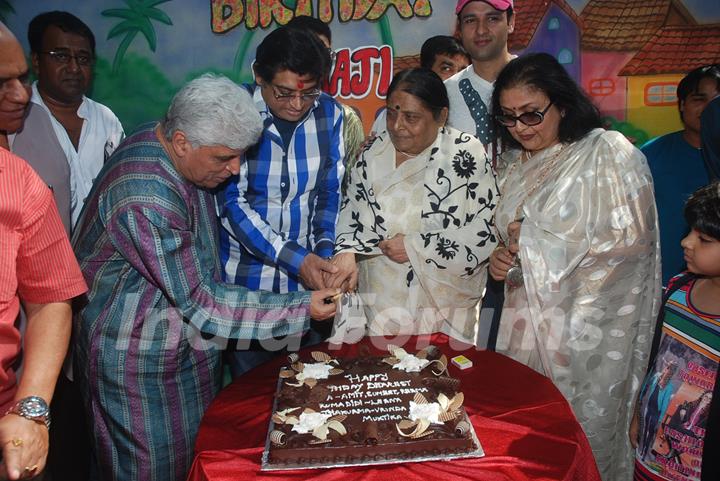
x=579 y=250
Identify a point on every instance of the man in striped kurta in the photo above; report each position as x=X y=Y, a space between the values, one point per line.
x=279 y=213
x=149 y=339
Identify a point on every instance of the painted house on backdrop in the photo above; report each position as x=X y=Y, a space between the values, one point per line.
x=405 y=62
x=655 y=71
x=548 y=26
x=614 y=31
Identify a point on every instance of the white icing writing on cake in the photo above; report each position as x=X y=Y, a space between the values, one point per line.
x=395 y=392
x=383 y=413
x=382 y=385
x=309 y=421
x=379 y=401
x=366 y=402
x=373 y=396
x=350 y=395
x=345 y=387
x=354 y=403
x=359 y=410
x=354 y=379
x=384 y=417
x=385 y=392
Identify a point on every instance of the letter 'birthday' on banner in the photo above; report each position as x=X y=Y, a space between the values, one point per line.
x=228 y=14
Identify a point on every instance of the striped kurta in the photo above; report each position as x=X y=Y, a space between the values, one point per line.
x=147 y=245
x=284 y=203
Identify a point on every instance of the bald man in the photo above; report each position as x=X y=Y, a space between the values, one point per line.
x=37 y=268
x=14 y=94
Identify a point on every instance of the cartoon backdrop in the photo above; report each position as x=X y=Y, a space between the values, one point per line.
x=629 y=55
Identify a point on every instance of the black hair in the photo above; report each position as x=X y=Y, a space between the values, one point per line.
x=67 y=22
x=423 y=84
x=690 y=83
x=541 y=71
x=315 y=25
x=702 y=210
x=440 y=45
x=292 y=49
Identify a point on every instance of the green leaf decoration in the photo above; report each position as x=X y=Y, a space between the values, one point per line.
x=138 y=18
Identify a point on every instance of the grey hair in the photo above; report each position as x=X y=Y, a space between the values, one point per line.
x=214 y=110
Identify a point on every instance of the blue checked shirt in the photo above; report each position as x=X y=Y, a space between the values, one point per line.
x=283 y=205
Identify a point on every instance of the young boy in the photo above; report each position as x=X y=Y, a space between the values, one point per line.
x=676 y=422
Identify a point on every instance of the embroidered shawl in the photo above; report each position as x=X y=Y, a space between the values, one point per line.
x=443 y=202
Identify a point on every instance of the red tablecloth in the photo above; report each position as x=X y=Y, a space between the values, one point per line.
x=522 y=421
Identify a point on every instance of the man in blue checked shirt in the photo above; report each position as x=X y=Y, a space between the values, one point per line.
x=279 y=213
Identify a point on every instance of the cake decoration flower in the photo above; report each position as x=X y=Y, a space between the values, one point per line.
x=308 y=374
x=429 y=411
x=284 y=417
x=310 y=421
x=407 y=362
x=410 y=363
x=423 y=414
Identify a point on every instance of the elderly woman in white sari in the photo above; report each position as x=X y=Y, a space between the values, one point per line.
x=578 y=251
x=415 y=229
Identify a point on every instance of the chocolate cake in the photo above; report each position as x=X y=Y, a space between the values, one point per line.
x=367 y=410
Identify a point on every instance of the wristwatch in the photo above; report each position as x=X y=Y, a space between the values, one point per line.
x=33 y=408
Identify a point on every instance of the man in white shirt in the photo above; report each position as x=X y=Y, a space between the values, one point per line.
x=67 y=136
x=483 y=26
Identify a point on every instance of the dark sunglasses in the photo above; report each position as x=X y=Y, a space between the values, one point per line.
x=528 y=118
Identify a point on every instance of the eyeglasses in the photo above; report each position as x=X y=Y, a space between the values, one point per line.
x=305 y=97
x=528 y=118
x=64 y=58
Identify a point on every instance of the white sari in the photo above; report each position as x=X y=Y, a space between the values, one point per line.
x=442 y=201
x=590 y=256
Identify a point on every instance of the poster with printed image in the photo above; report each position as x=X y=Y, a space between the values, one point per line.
x=675 y=405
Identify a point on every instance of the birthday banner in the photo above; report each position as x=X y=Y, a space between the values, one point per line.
x=629 y=56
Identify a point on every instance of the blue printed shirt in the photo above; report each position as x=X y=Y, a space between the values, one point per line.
x=284 y=203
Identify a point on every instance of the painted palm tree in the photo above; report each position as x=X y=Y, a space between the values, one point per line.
x=5 y=9
x=385 y=31
x=240 y=55
x=136 y=19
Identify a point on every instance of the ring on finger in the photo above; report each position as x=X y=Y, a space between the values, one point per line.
x=17 y=442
